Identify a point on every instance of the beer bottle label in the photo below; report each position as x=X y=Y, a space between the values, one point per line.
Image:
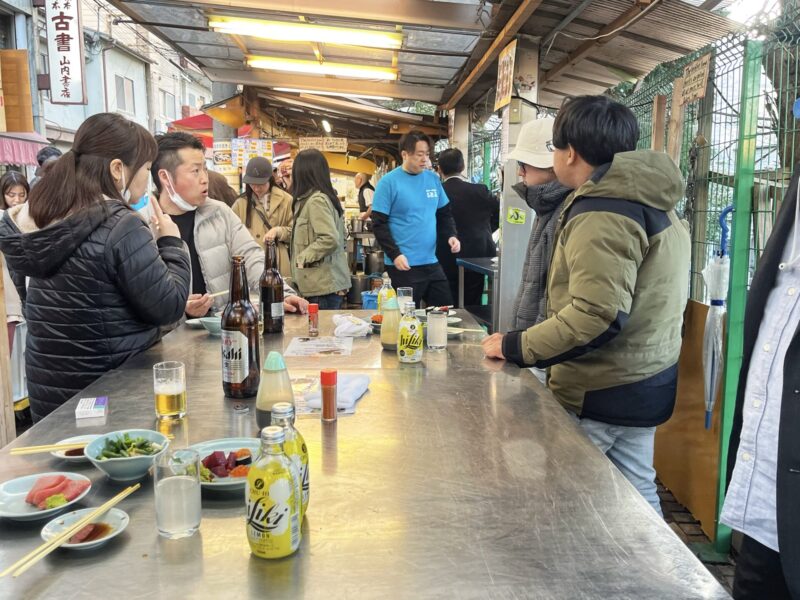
x=277 y=310
x=235 y=357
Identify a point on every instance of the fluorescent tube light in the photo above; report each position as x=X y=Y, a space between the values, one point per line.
x=306 y=32
x=321 y=93
x=291 y=65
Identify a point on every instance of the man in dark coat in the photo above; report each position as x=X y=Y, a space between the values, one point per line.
x=476 y=213
x=763 y=498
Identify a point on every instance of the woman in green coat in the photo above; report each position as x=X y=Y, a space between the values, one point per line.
x=319 y=259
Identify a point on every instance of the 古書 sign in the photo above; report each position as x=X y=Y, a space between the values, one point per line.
x=695 y=79
x=324 y=144
x=65 y=52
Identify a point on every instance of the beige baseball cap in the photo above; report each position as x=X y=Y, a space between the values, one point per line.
x=535 y=144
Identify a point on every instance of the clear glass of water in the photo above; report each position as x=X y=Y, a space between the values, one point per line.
x=177 y=491
x=403 y=294
x=437 y=330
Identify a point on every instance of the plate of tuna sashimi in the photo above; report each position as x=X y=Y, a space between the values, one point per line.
x=35 y=497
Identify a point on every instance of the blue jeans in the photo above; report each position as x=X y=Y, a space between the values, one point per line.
x=631 y=451
x=327 y=302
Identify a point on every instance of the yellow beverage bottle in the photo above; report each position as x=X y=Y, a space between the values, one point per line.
x=409 y=337
x=273 y=499
x=386 y=292
x=294 y=447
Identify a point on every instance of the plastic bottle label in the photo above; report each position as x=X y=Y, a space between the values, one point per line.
x=277 y=310
x=235 y=357
x=409 y=344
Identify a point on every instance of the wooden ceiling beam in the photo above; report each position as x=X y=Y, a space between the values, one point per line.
x=514 y=24
x=609 y=32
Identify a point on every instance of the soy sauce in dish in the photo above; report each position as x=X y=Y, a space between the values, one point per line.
x=74 y=452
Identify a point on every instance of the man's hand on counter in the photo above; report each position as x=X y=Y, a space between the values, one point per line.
x=295 y=304
x=493 y=346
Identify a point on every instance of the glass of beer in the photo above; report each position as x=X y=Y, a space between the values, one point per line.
x=169 y=386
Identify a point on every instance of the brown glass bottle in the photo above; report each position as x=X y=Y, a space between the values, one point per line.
x=241 y=370
x=271 y=292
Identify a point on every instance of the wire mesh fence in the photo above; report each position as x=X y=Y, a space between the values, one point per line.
x=710 y=134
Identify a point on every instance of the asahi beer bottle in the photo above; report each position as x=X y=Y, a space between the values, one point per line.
x=294 y=446
x=240 y=353
x=271 y=292
x=273 y=499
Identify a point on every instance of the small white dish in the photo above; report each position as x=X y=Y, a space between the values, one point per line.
x=115 y=518
x=62 y=454
x=13 y=493
x=453 y=320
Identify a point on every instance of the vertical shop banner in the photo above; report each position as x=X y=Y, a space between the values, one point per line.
x=65 y=52
x=505 y=76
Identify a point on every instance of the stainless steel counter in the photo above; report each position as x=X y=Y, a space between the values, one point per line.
x=458 y=478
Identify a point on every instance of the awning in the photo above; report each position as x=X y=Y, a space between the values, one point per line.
x=201 y=127
x=20 y=148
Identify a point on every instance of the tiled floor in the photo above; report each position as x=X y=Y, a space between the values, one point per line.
x=688 y=529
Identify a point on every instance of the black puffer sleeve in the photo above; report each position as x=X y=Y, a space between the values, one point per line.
x=154 y=277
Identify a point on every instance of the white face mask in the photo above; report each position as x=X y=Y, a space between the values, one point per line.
x=176 y=197
x=126 y=193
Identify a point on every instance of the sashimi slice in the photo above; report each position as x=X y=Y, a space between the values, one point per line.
x=45 y=493
x=74 y=489
x=82 y=534
x=44 y=482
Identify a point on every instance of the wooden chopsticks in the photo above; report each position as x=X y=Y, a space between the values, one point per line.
x=30 y=559
x=47 y=448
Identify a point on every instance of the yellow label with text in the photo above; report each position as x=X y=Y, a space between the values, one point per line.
x=516 y=216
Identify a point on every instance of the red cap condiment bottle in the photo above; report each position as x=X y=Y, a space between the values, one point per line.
x=328 y=384
x=313 y=320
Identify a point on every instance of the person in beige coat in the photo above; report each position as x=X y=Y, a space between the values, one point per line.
x=266 y=210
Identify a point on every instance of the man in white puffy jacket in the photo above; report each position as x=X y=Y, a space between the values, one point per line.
x=210 y=229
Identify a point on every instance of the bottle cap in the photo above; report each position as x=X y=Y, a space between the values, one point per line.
x=327 y=377
x=274 y=362
x=273 y=435
x=313 y=309
x=281 y=410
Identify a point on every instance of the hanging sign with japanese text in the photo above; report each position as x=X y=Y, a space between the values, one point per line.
x=65 y=52
x=324 y=144
x=505 y=76
x=243 y=149
x=695 y=79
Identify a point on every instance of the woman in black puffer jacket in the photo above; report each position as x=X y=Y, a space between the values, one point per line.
x=99 y=285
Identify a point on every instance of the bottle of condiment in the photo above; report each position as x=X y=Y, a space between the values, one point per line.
x=271 y=291
x=274 y=499
x=275 y=387
x=386 y=291
x=328 y=382
x=409 y=340
x=240 y=350
x=294 y=446
x=390 y=323
x=313 y=320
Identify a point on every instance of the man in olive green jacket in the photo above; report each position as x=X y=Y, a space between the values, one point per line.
x=617 y=287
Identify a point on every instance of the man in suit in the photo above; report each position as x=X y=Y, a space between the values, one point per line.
x=763 y=498
x=476 y=213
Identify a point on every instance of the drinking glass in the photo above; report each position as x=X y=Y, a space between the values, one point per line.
x=437 y=330
x=176 y=481
x=169 y=387
x=403 y=294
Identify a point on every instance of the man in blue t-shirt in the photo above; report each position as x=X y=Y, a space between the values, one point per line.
x=409 y=210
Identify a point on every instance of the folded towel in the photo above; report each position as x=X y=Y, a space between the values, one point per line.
x=350 y=326
x=349 y=391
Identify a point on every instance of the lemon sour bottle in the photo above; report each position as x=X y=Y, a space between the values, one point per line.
x=273 y=499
